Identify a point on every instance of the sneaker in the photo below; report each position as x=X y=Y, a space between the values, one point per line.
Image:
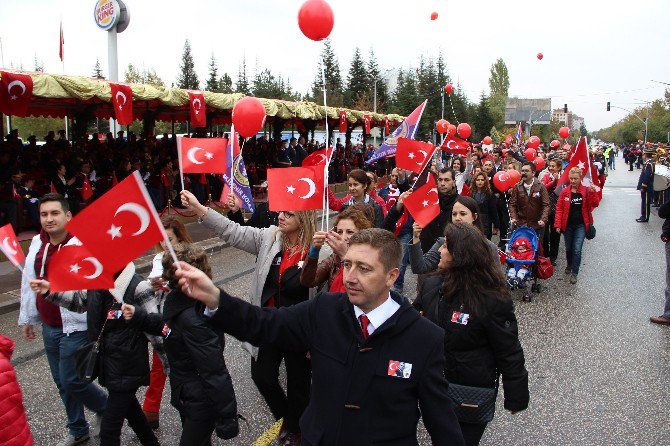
x=660 y=320
x=94 y=425
x=573 y=279
x=71 y=440
x=568 y=269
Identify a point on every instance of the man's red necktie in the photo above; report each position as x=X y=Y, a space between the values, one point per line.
x=364 y=325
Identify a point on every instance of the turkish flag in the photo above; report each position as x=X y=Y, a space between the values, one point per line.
x=53 y=188
x=465 y=190
x=122 y=98
x=203 y=155
x=424 y=204
x=387 y=128
x=16 y=91
x=114 y=180
x=120 y=225
x=198 y=109
x=317 y=158
x=9 y=245
x=581 y=159
x=455 y=145
x=86 y=190
x=366 y=120
x=413 y=155
x=295 y=188
x=343 y=121
x=74 y=267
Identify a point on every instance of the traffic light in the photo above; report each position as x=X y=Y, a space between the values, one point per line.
x=565 y=108
x=608 y=106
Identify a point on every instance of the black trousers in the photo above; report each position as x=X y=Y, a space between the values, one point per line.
x=120 y=406
x=503 y=216
x=551 y=239
x=265 y=373
x=472 y=433
x=196 y=432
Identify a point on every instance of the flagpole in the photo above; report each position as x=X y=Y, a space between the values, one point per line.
x=324 y=215
x=232 y=151
x=62 y=44
x=181 y=170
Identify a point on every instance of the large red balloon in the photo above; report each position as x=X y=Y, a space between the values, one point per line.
x=534 y=142
x=514 y=177
x=508 y=139
x=442 y=126
x=433 y=16
x=564 y=132
x=248 y=116
x=501 y=181
x=530 y=154
x=487 y=140
x=449 y=88
x=555 y=144
x=316 y=19
x=540 y=56
x=464 y=130
x=539 y=163
x=451 y=130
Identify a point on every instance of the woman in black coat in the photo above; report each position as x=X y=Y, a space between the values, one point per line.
x=480 y=190
x=471 y=302
x=202 y=390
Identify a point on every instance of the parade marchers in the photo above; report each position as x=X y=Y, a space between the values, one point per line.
x=364 y=363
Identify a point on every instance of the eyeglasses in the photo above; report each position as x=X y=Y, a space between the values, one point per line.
x=287 y=214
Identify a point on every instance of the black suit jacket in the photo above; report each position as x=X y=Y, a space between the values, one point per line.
x=354 y=399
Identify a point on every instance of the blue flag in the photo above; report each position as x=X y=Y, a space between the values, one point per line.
x=240 y=181
x=407 y=129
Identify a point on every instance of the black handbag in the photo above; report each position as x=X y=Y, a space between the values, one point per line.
x=475 y=405
x=86 y=361
x=591 y=233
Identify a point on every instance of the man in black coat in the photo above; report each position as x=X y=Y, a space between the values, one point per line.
x=376 y=364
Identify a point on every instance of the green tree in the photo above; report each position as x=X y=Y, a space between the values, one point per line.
x=212 y=79
x=133 y=75
x=242 y=85
x=583 y=131
x=225 y=84
x=483 y=121
x=149 y=76
x=374 y=75
x=406 y=97
x=429 y=88
x=188 y=78
x=499 y=86
x=334 y=86
x=38 y=66
x=357 y=80
x=97 y=71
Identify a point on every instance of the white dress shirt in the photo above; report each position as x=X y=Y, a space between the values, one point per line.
x=379 y=315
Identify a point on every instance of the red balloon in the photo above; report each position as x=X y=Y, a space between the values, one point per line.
x=539 y=163
x=564 y=132
x=449 y=88
x=514 y=177
x=433 y=16
x=530 y=154
x=501 y=181
x=534 y=142
x=567 y=147
x=555 y=144
x=508 y=139
x=451 y=130
x=487 y=140
x=464 y=130
x=248 y=116
x=316 y=19
x=442 y=126
x=540 y=56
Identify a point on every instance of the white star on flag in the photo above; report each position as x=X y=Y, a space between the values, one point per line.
x=75 y=268
x=209 y=155
x=114 y=231
x=411 y=155
x=290 y=189
x=14 y=97
x=425 y=203
x=581 y=165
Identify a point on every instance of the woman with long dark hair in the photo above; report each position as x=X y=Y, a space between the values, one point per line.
x=358 y=183
x=480 y=190
x=470 y=300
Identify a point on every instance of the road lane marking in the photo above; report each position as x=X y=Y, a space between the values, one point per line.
x=269 y=435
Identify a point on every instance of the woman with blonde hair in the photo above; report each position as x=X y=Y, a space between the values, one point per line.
x=280 y=254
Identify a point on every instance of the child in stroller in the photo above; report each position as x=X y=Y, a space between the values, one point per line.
x=521 y=251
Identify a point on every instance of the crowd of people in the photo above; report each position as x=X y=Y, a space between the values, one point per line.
x=359 y=357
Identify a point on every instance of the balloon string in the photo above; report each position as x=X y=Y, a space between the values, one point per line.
x=324 y=215
x=451 y=104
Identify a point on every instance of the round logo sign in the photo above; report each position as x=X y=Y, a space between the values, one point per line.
x=106 y=14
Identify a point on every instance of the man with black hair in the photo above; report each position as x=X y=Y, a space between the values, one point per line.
x=529 y=203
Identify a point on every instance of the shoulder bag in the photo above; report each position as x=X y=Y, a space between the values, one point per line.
x=475 y=405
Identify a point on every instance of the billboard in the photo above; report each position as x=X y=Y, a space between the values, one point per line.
x=524 y=110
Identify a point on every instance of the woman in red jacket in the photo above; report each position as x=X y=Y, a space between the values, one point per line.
x=573 y=218
x=14 y=430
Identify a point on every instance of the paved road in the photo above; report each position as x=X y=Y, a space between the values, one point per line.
x=598 y=369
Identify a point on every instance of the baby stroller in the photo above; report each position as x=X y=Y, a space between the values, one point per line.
x=516 y=264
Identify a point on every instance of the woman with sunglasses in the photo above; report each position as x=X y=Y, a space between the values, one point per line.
x=280 y=253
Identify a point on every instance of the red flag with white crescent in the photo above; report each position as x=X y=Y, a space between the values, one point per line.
x=16 y=91
x=198 y=109
x=295 y=188
x=343 y=121
x=387 y=128
x=9 y=245
x=122 y=99
x=203 y=155
x=317 y=158
x=74 y=267
x=366 y=121
x=86 y=190
x=413 y=155
x=456 y=146
x=424 y=204
x=120 y=225
x=52 y=189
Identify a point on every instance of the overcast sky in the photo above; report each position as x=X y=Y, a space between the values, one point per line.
x=594 y=50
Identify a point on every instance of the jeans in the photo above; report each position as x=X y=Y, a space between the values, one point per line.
x=120 y=406
x=75 y=393
x=574 y=236
x=405 y=239
x=666 y=313
x=265 y=374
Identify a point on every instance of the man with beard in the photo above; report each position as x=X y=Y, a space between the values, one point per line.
x=529 y=201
